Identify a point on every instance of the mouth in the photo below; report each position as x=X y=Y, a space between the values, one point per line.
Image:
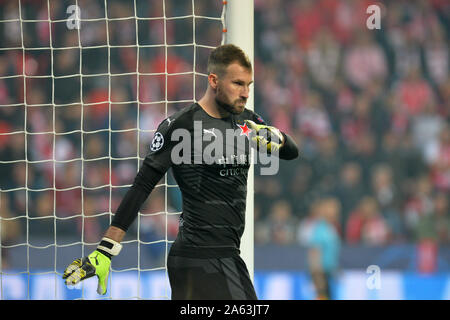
x=239 y=108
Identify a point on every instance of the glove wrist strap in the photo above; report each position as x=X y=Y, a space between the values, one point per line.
x=110 y=246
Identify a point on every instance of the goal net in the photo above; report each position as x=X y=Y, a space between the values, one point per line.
x=83 y=86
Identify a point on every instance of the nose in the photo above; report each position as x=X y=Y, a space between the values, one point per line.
x=245 y=92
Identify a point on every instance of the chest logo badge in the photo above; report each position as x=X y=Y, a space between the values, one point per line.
x=245 y=130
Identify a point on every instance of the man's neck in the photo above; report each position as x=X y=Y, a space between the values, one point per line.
x=209 y=104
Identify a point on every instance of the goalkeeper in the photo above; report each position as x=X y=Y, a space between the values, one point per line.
x=203 y=261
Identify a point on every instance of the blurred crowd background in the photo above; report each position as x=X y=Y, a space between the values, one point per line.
x=369 y=110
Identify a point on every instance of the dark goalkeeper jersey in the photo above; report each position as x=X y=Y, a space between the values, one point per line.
x=210 y=159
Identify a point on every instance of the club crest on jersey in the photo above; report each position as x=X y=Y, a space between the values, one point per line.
x=157 y=142
x=244 y=129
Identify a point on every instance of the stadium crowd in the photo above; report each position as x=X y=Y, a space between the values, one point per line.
x=369 y=109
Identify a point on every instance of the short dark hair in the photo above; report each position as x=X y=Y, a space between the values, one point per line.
x=224 y=55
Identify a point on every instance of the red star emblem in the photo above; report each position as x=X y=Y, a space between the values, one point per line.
x=245 y=130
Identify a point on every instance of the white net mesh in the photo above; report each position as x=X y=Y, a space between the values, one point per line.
x=83 y=86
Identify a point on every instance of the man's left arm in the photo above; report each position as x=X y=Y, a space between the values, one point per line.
x=288 y=149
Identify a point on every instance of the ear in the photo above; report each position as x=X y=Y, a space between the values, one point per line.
x=213 y=80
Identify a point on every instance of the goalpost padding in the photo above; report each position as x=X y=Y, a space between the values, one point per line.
x=46 y=145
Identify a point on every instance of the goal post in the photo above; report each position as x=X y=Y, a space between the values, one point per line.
x=240 y=31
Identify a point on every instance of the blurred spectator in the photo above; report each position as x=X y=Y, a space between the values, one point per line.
x=271 y=189
x=327 y=162
x=364 y=61
x=323 y=58
x=324 y=246
x=40 y=225
x=419 y=203
x=366 y=225
x=300 y=188
x=435 y=223
x=308 y=19
x=307 y=224
x=407 y=51
x=438 y=157
x=388 y=198
x=356 y=123
x=406 y=161
x=426 y=127
x=414 y=92
x=89 y=225
x=68 y=184
x=346 y=16
x=12 y=31
x=441 y=213
x=282 y=224
x=364 y=151
x=350 y=189
x=312 y=118
x=261 y=228
x=437 y=55
x=10 y=229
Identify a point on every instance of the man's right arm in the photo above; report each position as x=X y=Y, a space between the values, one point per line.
x=99 y=261
x=155 y=165
x=143 y=184
x=115 y=233
x=145 y=181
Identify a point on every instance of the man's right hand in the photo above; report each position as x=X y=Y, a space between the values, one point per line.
x=95 y=264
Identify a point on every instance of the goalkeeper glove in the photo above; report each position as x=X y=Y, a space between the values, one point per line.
x=95 y=264
x=266 y=136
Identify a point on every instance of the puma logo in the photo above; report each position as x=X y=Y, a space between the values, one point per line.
x=210 y=131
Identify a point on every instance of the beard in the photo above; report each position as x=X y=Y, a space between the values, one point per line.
x=235 y=107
